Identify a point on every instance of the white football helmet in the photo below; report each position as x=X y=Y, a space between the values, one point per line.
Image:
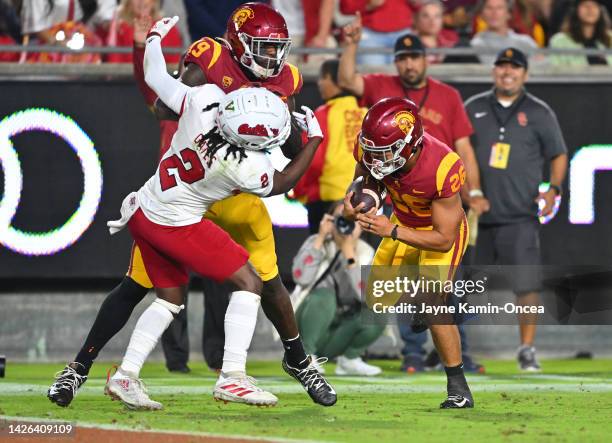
x=254 y=118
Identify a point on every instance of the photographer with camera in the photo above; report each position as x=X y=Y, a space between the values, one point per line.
x=327 y=298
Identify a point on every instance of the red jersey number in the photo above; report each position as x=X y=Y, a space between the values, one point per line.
x=265 y=180
x=189 y=169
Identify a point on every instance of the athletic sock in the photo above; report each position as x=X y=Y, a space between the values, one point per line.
x=240 y=321
x=456 y=384
x=112 y=316
x=294 y=353
x=150 y=326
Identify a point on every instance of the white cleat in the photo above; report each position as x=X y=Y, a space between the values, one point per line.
x=130 y=391
x=242 y=389
x=355 y=366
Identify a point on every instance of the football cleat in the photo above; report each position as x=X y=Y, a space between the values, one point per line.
x=457 y=402
x=313 y=382
x=129 y=390
x=527 y=359
x=242 y=389
x=67 y=383
x=355 y=366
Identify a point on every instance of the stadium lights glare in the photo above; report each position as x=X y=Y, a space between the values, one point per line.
x=46 y=243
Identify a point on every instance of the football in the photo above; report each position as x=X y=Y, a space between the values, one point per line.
x=369 y=191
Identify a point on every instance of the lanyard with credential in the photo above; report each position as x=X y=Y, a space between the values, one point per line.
x=425 y=95
x=502 y=123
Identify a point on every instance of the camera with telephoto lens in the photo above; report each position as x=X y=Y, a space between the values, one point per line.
x=343 y=225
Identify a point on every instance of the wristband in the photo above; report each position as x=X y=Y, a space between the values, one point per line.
x=394 y=232
x=476 y=193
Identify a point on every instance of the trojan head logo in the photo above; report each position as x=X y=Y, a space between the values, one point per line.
x=404 y=120
x=227 y=81
x=242 y=15
x=407 y=42
x=509 y=53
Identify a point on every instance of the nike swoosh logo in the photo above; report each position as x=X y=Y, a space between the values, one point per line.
x=461 y=403
x=480 y=114
x=414 y=191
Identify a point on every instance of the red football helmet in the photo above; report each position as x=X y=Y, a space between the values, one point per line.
x=259 y=38
x=390 y=133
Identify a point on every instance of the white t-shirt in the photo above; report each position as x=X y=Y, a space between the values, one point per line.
x=184 y=186
x=294 y=15
x=36 y=15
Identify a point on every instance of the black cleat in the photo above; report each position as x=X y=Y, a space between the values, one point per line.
x=65 y=386
x=313 y=382
x=457 y=402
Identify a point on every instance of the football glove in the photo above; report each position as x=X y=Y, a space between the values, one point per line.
x=308 y=122
x=162 y=27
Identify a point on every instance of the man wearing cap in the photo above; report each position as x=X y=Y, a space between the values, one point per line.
x=515 y=134
x=443 y=115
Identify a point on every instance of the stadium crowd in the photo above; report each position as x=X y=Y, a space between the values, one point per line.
x=524 y=24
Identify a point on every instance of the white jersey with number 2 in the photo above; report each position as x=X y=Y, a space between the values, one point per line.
x=184 y=186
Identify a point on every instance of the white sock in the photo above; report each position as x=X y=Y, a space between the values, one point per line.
x=240 y=320
x=151 y=325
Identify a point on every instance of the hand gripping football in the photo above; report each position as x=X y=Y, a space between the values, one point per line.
x=369 y=191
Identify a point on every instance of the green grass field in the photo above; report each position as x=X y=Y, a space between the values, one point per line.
x=571 y=400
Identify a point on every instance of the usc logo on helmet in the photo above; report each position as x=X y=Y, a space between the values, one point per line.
x=404 y=120
x=242 y=15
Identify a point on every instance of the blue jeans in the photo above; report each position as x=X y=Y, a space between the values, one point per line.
x=373 y=39
x=413 y=343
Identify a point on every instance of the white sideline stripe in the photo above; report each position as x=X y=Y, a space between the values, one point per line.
x=90 y=425
x=294 y=388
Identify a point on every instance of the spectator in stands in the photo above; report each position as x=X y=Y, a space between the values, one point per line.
x=319 y=16
x=444 y=117
x=587 y=26
x=523 y=20
x=383 y=22
x=428 y=23
x=208 y=18
x=10 y=30
x=120 y=32
x=332 y=168
x=515 y=134
x=328 y=296
x=496 y=15
x=67 y=23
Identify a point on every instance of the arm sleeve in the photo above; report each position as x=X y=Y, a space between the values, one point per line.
x=307 y=262
x=550 y=135
x=138 y=62
x=170 y=91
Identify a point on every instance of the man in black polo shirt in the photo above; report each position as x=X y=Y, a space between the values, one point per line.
x=515 y=133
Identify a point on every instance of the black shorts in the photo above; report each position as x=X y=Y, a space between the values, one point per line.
x=516 y=244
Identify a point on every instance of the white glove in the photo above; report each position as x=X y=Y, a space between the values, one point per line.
x=162 y=27
x=308 y=122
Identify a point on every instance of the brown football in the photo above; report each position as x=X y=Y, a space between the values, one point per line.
x=369 y=191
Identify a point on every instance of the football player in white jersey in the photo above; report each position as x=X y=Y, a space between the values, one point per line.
x=219 y=149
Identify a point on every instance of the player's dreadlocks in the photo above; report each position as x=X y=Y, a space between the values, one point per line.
x=214 y=141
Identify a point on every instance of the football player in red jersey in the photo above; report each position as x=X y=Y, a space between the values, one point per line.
x=428 y=227
x=255 y=55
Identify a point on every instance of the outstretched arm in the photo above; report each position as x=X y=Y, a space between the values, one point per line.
x=169 y=90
